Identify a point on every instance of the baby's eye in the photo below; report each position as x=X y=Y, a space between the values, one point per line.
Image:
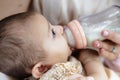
x=53 y=33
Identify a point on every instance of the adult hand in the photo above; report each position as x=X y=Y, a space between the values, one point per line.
x=109 y=49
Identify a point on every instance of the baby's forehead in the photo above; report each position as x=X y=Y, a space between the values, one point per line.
x=33 y=26
x=27 y=22
x=28 y=18
x=37 y=16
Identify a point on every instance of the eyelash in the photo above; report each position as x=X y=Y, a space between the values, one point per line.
x=53 y=33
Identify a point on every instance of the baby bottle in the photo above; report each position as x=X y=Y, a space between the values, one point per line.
x=82 y=32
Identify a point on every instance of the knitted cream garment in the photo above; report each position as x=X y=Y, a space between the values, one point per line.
x=62 y=71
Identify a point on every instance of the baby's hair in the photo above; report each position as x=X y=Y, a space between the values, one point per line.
x=16 y=54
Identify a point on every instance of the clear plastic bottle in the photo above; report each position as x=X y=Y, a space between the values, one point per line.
x=82 y=32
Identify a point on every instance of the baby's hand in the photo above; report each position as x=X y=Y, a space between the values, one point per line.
x=92 y=64
x=87 y=55
x=79 y=77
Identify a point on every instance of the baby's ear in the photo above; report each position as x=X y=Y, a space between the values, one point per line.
x=38 y=70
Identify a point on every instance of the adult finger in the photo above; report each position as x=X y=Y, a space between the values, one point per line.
x=110 y=35
x=107 y=54
x=105 y=45
x=107 y=49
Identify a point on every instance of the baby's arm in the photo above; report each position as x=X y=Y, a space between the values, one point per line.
x=92 y=64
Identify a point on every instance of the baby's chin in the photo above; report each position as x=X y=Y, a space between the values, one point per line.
x=63 y=71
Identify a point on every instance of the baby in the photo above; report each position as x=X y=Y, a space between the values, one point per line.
x=30 y=45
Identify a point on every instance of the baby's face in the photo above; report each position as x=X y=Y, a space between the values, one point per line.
x=49 y=39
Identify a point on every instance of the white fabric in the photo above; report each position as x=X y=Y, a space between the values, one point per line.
x=62 y=11
x=112 y=75
x=4 y=77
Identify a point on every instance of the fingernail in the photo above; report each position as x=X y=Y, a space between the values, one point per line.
x=105 y=33
x=97 y=44
x=90 y=78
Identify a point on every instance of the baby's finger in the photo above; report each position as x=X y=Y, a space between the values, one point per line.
x=113 y=36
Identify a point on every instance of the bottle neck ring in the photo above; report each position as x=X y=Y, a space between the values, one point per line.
x=78 y=34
